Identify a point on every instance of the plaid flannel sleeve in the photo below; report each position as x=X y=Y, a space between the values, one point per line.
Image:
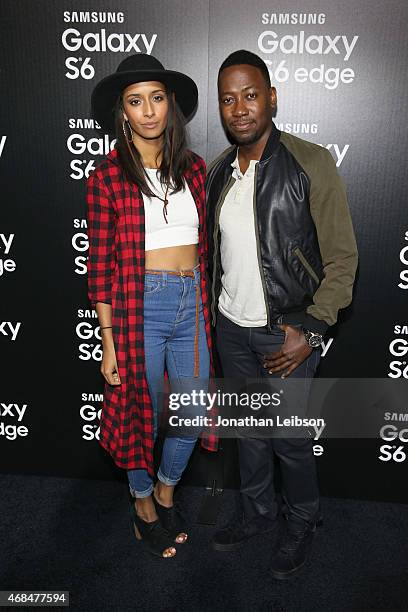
x=101 y=235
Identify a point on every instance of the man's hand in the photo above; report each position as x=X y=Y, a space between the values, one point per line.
x=293 y=352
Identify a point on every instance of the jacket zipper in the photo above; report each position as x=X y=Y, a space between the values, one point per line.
x=258 y=249
x=306 y=264
x=215 y=237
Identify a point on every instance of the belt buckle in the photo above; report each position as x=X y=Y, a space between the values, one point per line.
x=182 y=273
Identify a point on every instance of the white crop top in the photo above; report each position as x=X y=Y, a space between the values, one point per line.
x=182 y=217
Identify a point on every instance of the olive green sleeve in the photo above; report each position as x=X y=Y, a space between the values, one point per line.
x=338 y=248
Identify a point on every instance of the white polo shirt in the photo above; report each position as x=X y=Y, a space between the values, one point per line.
x=242 y=297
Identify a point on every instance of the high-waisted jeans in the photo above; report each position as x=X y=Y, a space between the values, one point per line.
x=169 y=339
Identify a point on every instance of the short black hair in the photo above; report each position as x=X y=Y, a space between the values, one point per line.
x=246 y=57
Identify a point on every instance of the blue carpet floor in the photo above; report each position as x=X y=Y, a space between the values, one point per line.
x=76 y=535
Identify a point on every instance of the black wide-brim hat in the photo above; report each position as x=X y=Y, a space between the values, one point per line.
x=138 y=68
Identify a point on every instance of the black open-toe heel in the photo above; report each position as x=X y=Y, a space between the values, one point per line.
x=154 y=536
x=172 y=521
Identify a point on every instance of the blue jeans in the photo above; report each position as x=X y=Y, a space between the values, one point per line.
x=169 y=334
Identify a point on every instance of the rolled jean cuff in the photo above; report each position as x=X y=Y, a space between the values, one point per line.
x=165 y=480
x=141 y=494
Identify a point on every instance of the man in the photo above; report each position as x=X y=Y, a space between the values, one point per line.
x=282 y=262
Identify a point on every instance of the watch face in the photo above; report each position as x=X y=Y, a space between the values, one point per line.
x=315 y=341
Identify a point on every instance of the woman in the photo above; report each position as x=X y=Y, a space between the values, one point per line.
x=146 y=279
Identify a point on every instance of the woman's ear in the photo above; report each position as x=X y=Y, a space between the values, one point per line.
x=124 y=116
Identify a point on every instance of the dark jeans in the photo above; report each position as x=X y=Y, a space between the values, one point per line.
x=241 y=351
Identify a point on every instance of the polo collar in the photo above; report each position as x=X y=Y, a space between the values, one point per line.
x=236 y=172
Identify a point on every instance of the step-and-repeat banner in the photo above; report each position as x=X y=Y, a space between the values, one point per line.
x=340 y=75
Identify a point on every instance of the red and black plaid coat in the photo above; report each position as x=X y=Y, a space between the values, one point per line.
x=116 y=265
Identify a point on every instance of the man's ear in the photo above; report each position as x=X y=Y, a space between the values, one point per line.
x=273 y=97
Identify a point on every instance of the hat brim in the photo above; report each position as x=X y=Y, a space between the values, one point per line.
x=106 y=92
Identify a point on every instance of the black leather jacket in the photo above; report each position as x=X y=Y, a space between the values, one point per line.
x=297 y=197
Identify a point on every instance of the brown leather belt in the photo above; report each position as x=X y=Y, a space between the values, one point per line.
x=188 y=274
x=182 y=273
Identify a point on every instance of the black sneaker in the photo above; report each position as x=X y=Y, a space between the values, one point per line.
x=294 y=549
x=235 y=534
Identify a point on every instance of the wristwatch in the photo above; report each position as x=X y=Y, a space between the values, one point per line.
x=314 y=340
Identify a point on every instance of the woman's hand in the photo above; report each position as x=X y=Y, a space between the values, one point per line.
x=109 y=366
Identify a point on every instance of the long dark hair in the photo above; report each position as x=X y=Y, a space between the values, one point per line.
x=175 y=160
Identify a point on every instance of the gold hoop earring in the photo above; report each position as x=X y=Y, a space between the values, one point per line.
x=127 y=130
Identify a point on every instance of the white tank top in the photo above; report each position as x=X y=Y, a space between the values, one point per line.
x=182 y=217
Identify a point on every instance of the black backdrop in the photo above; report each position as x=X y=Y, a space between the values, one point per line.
x=340 y=73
